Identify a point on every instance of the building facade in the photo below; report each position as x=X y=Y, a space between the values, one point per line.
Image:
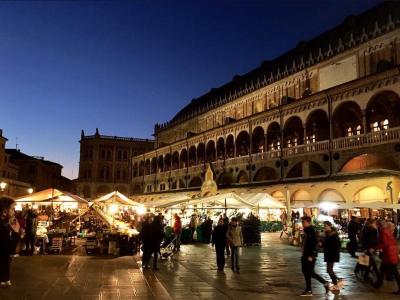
x=39 y=173
x=10 y=185
x=329 y=107
x=105 y=163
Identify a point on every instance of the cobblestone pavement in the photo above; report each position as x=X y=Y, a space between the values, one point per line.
x=268 y=272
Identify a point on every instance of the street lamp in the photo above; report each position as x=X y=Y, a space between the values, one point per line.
x=3 y=186
x=30 y=191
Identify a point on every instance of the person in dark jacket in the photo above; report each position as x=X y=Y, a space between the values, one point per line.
x=369 y=240
x=30 y=232
x=332 y=248
x=156 y=230
x=390 y=255
x=145 y=237
x=8 y=227
x=219 y=241
x=226 y=224
x=309 y=256
x=352 y=230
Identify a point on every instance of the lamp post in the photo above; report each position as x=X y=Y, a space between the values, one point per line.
x=3 y=186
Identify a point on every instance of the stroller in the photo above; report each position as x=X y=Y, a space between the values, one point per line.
x=167 y=247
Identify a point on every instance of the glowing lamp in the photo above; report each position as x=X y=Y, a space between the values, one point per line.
x=3 y=185
x=113 y=208
x=30 y=190
x=141 y=210
x=327 y=206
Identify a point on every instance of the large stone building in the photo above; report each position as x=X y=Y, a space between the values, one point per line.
x=39 y=173
x=105 y=163
x=10 y=185
x=324 y=113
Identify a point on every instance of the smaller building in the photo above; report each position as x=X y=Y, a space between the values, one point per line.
x=105 y=163
x=39 y=173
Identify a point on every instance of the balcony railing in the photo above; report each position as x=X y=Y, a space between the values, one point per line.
x=237 y=160
x=305 y=149
x=371 y=138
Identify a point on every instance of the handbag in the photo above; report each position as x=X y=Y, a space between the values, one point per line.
x=363 y=260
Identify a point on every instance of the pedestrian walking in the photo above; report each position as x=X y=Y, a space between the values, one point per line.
x=226 y=224
x=369 y=240
x=352 y=229
x=235 y=240
x=309 y=257
x=193 y=226
x=177 y=232
x=390 y=255
x=8 y=228
x=156 y=236
x=30 y=232
x=219 y=242
x=332 y=246
x=146 y=238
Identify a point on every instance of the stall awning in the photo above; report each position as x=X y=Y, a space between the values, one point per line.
x=262 y=200
x=116 y=198
x=227 y=200
x=53 y=195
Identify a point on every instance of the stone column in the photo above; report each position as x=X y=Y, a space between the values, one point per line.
x=364 y=121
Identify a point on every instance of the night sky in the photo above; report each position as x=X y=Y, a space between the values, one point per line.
x=124 y=66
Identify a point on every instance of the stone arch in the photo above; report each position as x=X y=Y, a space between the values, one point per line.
x=317 y=126
x=368 y=161
x=210 y=151
x=147 y=167
x=296 y=171
x=258 y=140
x=301 y=195
x=274 y=136
x=383 y=65
x=220 y=148
x=226 y=178
x=330 y=195
x=195 y=182
x=182 y=184
x=192 y=156
x=369 y=194
x=242 y=177
x=201 y=153
x=153 y=165
x=243 y=143
x=135 y=169
x=278 y=195
x=383 y=111
x=86 y=192
x=230 y=146
x=347 y=120
x=141 y=168
x=315 y=169
x=160 y=164
x=183 y=158
x=293 y=132
x=175 y=160
x=264 y=174
x=167 y=162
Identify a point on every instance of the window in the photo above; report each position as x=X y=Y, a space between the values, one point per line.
x=119 y=155
x=103 y=153
x=375 y=127
x=385 y=124
x=148 y=188
x=108 y=154
x=162 y=187
x=358 y=130
x=349 y=132
x=125 y=155
x=118 y=175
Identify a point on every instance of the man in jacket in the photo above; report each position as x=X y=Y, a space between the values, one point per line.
x=369 y=240
x=309 y=256
x=226 y=224
x=390 y=255
x=235 y=240
x=146 y=238
x=219 y=241
x=30 y=232
x=352 y=229
x=332 y=246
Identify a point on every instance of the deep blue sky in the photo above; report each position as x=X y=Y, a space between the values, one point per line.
x=124 y=66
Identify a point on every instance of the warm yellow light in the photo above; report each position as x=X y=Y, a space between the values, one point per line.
x=30 y=190
x=3 y=185
x=141 y=210
x=113 y=208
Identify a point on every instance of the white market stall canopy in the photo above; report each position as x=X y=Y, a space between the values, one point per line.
x=116 y=198
x=51 y=195
x=227 y=200
x=262 y=200
x=166 y=201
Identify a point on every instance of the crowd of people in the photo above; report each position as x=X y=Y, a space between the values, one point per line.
x=369 y=238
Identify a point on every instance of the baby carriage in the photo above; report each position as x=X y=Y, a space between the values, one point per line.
x=167 y=247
